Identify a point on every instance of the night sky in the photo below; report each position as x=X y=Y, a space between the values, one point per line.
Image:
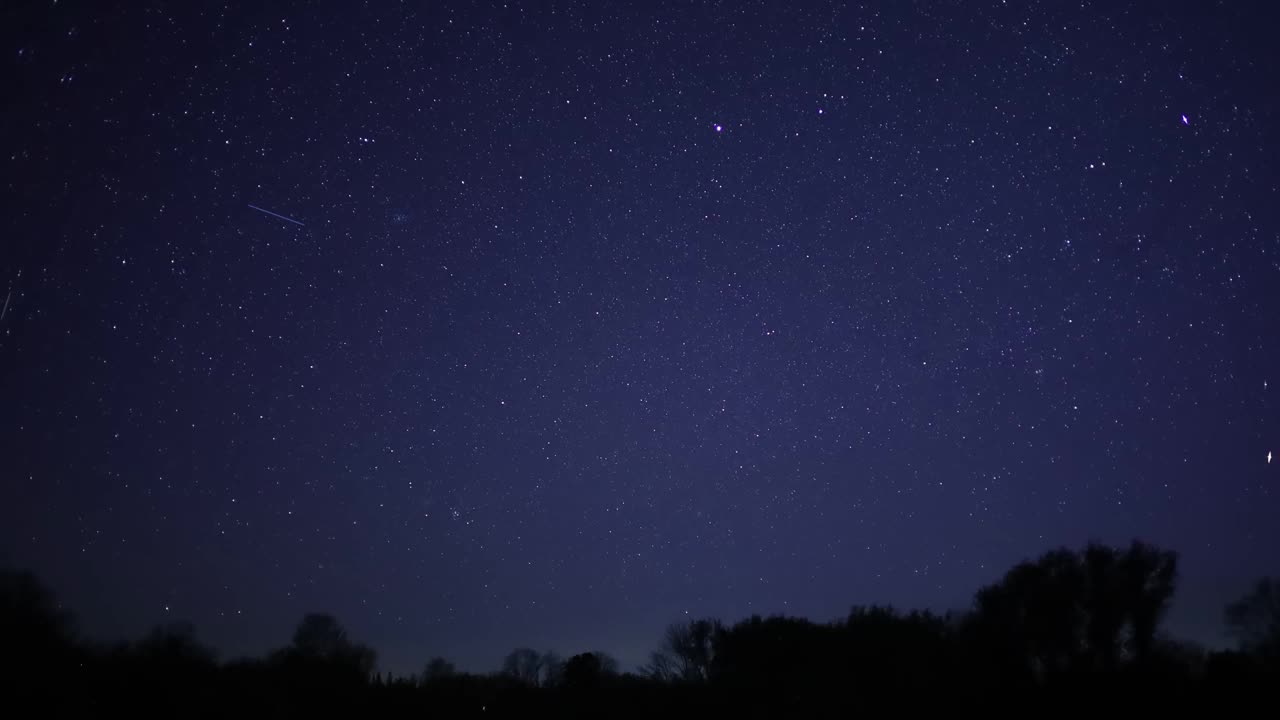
x=482 y=326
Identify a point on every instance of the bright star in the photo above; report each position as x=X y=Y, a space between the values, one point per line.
x=717 y=127
x=1185 y=121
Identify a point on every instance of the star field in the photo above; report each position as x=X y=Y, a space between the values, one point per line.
x=549 y=326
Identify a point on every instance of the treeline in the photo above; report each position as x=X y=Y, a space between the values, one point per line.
x=1067 y=628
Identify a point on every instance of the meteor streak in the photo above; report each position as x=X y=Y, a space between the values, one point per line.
x=282 y=217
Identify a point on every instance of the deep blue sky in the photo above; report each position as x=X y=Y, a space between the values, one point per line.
x=604 y=315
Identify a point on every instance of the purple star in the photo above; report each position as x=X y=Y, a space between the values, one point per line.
x=1185 y=121
x=717 y=127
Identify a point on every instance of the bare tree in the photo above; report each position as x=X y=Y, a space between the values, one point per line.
x=552 y=669
x=525 y=665
x=687 y=652
x=660 y=667
x=608 y=663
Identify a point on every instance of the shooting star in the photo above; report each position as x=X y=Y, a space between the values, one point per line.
x=7 y=298
x=282 y=217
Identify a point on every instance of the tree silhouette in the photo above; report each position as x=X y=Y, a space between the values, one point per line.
x=1069 y=611
x=36 y=637
x=438 y=669
x=884 y=649
x=29 y=615
x=1064 y=625
x=552 y=669
x=321 y=643
x=1033 y=616
x=524 y=665
x=583 y=671
x=783 y=653
x=608 y=663
x=1254 y=620
x=320 y=636
x=175 y=646
x=1105 y=622
x=688 y=651
x=1148 y=579
x=661 y=667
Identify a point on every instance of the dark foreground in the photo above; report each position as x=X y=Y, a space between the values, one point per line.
x=1071 y=632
